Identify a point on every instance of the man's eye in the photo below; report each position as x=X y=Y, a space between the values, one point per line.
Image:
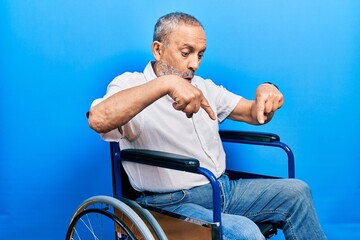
x=185 y=54
x=201 y=56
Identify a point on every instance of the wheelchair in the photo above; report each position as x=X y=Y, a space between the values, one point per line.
x=120 y=217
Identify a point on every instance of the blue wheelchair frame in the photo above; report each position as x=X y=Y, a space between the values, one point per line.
x=178 y=162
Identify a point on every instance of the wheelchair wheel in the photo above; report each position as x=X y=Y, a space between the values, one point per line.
x=104 y=217
x=147 y=217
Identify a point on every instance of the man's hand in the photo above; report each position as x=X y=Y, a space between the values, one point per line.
x=267 y=100
x=187 y=97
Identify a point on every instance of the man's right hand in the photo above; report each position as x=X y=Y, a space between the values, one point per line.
x=187 y=97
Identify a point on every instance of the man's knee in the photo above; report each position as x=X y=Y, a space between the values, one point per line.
x=298 y=192
x=299 y=188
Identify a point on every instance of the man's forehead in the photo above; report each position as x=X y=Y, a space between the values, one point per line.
x=188 y=35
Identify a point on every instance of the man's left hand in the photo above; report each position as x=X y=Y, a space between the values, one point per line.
x=268 y=99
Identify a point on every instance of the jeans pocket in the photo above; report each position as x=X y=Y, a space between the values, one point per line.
x=165 y=199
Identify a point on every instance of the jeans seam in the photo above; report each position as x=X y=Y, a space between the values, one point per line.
x=265 y=212
x=223 y=197
x=168 y=203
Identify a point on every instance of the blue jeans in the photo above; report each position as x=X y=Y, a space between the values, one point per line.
x=284 y=202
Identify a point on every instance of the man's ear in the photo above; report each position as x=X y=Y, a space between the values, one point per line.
x=157 y=49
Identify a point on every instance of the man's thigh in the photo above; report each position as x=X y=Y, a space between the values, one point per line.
x=264 y=199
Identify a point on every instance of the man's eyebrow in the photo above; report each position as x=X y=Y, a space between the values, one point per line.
x=192 y=48
x=186 y=45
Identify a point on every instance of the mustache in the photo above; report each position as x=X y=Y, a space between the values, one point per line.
x=188 y=74
x=166 y=69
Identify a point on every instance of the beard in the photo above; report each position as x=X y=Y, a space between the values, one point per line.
x=162 y=68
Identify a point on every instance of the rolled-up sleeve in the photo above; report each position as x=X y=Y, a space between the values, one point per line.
x=130 y=130
x=226 y=102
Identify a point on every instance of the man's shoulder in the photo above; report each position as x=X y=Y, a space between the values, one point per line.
x=129 y=79
x=199 y=81
x=136 y=78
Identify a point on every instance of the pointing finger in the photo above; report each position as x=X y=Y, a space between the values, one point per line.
x=206 y=106
x=260 y=109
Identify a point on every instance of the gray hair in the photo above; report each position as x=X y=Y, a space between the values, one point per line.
x=167 y=23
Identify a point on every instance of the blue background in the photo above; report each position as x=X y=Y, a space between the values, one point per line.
x=57 y=56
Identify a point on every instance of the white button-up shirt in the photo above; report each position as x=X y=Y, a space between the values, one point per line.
x=161 y=127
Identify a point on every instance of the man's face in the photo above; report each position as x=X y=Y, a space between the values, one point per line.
x=183 y=52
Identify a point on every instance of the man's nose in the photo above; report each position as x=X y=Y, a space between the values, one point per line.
x=194 y=63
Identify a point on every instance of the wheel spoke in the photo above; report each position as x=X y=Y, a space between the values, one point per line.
x=102 y=217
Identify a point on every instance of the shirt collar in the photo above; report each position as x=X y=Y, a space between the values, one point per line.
x=149 y=72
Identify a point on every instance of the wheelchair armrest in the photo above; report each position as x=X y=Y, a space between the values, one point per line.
x=176 y=162
x=235 y=136
x=160 y=159
x=258 y=138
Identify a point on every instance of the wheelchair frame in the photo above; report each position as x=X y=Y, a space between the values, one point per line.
x=172 y=161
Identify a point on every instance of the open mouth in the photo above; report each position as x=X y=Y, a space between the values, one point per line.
x=188 y=76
